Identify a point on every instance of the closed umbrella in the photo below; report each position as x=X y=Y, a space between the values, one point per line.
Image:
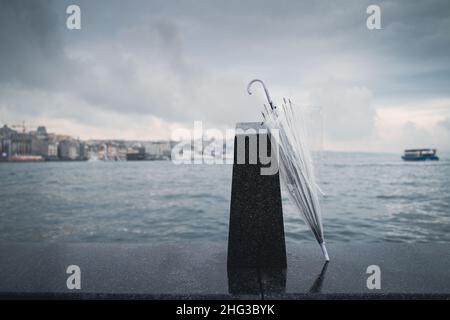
x=295 y=162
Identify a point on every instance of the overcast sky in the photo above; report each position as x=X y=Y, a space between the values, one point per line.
x=140 y=69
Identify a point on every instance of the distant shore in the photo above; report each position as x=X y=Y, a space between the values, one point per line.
x=40 y=160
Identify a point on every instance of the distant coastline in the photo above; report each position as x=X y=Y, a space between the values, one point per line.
x=38 y=145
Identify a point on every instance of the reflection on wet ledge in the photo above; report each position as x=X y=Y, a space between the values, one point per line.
x=317 y=285
x=254 y=281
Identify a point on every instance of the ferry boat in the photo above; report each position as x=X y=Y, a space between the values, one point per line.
x=420 y=155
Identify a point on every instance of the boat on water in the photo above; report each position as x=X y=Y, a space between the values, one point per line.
x=420 y=155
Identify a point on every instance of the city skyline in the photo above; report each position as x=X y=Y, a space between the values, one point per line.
x=140 y=71
x=41 y=145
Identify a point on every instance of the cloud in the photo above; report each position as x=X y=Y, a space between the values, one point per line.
x=175 y=63
x=416 y=137
x=445 y=123
x=142 y=70
x=32 y=52
x=349 y=113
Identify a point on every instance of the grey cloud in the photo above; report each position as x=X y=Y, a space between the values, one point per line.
x=445 y=124
x=186 y=60
x=416 y=137
x=32 y=51
x=348 y=113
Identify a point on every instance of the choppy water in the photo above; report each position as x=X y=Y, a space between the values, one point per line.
x=370 y=198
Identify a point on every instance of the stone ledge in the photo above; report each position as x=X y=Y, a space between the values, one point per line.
x=199 y=271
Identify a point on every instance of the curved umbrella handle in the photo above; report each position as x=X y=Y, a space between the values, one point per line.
x=265 y=90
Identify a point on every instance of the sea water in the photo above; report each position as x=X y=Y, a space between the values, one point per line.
x=369 y=198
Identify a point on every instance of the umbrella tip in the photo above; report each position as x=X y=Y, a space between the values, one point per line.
x=324 y=251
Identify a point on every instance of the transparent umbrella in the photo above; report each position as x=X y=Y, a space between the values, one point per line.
x=295 y=161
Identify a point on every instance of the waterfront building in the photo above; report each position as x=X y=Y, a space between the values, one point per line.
x=6 y=132
x=5 y=141
x=41 y=133
x=135 y=154
x=52 y=153
x=39 y=147
x=158 y=149
x=83 y=151
x=44 y=144
x=122 y=152
x=20 y=144
x=68 y=150
x=13 y=143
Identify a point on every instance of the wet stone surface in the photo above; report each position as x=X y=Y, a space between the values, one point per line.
x=200 y=271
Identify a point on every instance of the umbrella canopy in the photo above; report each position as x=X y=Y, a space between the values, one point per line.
x=295 y=162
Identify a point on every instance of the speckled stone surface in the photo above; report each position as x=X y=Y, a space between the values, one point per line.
x=406 y=269
x=200 y=271
x=115 y=269
x=256 y=230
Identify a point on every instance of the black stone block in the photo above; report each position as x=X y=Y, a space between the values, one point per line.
x=256 y=234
